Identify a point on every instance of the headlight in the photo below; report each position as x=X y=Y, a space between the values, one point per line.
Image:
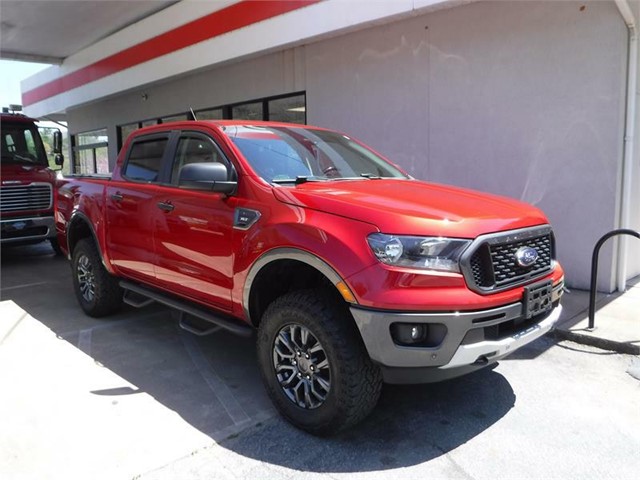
x=432 y=253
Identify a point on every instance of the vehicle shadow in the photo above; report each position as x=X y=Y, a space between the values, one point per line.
x=213 y=383
x=411 y=425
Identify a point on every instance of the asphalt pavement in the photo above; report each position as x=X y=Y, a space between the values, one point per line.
x=133 y=396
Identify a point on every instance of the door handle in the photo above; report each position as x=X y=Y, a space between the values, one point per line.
x=118 y=197
x=166 y=206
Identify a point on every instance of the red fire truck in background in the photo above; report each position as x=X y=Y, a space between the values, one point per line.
x=26 y=181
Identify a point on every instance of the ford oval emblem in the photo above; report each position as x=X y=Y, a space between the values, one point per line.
x=526 y=256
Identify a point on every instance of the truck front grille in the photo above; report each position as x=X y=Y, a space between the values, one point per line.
x=16 y=198
x=490 y=264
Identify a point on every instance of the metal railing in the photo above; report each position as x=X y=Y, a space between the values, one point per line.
x=594 y=270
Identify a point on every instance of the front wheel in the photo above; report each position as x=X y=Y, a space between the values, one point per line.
x=314 y=365
x=96 y=290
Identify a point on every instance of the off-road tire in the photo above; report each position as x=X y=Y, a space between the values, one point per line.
x=355 y=381
x=106 y=295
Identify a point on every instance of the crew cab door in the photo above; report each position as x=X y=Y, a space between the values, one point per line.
x=194 y=229
x=131 y=207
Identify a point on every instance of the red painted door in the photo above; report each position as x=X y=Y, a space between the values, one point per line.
x=131 y=208
x=129 y=212
x=193 y=233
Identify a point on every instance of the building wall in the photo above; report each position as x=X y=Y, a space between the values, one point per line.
x=524 y=99
x=264 y=76
x=633 y=244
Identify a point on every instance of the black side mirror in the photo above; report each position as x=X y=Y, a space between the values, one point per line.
x=211 y=176
x=58 y=157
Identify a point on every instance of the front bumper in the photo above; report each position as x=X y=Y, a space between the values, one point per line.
x=18 y=230
x=467 y=340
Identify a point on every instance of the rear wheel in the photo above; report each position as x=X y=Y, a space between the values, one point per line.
x=97 y=291
x=314 y=364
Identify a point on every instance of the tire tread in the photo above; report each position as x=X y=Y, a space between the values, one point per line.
x=108 y=293
x=360 y=379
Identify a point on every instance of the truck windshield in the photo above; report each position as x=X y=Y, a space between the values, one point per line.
x=21 y=143
x=289 y=154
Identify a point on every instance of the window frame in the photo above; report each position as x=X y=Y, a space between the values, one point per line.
x=232 y=172
x=302 y=93
x=227 y=113
x=228 y=109
x=170 y=137
x=76 y=148
x=21 y=128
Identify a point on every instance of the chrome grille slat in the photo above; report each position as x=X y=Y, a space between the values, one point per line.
x=35 y=196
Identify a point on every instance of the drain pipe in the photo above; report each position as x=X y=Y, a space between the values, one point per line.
x=630 y=125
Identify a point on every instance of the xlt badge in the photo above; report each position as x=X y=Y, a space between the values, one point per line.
x=244 y=218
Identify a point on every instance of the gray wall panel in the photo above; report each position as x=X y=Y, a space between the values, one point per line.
x=523 y=99
x=633 y=244
x=374 y=85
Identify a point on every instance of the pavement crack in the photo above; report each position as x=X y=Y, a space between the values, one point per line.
x=12 y=329
x=446 y=454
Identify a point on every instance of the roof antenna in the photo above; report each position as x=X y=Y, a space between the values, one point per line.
x=193 y=115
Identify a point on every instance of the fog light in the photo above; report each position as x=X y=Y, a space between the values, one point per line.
x=409 y=333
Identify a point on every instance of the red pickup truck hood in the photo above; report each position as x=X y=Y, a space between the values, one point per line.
x=13 y=172
x=413 y=207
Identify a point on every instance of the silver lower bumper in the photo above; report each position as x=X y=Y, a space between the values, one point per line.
x=493 y=350
x=466 y=338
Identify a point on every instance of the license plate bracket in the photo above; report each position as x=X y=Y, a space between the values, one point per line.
x=537 y=299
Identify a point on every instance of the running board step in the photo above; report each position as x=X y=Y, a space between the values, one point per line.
x=228 y=324
x=184 y=324
x=136 y=300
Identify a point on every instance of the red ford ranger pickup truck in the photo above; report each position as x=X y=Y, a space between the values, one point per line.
x=27 y=182
x=352 y=272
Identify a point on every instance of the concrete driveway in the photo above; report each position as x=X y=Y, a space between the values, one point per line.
x=134 y=396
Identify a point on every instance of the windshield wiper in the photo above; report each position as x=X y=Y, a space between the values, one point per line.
x=371 y=176
x=297 y=181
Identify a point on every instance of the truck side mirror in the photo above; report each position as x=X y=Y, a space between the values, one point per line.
x=211 y=176
x=58 y=157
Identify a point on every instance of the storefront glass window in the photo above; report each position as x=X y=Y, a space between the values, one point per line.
x=288 y=109
x=247 y=111
x=212 y=114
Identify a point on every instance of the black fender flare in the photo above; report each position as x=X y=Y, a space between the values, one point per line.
x=81 y=217
x=285 y=253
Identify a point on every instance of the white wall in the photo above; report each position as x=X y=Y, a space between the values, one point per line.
x=633 y=244
x=524 y=99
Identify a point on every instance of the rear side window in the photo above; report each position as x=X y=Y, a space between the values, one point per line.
x=145 y=160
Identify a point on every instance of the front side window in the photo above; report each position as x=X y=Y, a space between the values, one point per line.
x=194 y=149
x=145 y=160
x=21 y=143
x=282 y=154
